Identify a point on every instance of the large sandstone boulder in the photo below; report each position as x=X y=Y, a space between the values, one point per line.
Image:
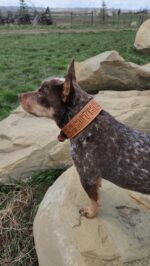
x=142 y=40
x=109 y=71
x=28 y=143
x=119 y=235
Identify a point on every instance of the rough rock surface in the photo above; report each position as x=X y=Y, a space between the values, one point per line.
x=142 y=40
x=109 y=71
x=130 y=107
x=28 y=143
x=119 y=235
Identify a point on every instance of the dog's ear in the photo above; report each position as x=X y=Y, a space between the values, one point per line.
x=71 y=70
x=68 y=84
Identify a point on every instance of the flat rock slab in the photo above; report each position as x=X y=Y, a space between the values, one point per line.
x=28 y=143
x=119 y=235
x=129 y=107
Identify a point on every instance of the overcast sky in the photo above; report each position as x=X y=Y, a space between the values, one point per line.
x=124 y=4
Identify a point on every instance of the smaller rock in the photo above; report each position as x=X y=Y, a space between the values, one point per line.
x=142 y=40
x=109 y=71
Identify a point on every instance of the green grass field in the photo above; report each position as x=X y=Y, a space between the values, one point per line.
x=25 y=60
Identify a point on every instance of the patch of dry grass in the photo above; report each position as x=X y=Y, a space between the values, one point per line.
x=16 y=217
x=18 y=206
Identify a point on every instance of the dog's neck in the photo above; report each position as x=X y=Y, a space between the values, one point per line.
x=77 y=101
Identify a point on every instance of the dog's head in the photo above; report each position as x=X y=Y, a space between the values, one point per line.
x=51 y=97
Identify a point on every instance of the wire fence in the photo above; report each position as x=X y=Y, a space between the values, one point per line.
x=93 y=18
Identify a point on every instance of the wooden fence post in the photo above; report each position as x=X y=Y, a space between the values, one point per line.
x=71 y=17
x=92 y=18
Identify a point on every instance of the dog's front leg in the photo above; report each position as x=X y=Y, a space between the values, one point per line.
x=93 y=192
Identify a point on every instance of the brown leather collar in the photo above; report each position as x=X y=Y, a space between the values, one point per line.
x=80 y=120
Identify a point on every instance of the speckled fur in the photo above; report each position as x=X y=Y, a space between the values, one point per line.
x=109 y=149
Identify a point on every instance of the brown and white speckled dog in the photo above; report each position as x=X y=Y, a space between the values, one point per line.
x=104 y=149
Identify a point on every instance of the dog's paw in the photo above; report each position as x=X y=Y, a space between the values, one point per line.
x=88 y=212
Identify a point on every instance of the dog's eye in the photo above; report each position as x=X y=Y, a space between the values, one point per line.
x=40 y=92
x=44 y=101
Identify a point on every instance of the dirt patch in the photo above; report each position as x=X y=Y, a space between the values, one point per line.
x=45 y=31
